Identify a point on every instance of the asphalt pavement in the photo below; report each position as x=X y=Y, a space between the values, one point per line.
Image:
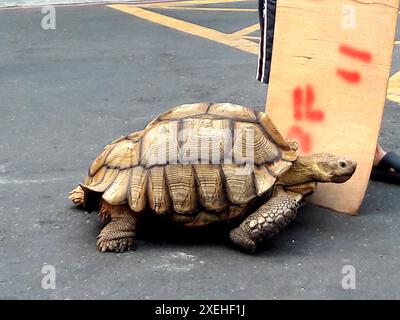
x=101 y=73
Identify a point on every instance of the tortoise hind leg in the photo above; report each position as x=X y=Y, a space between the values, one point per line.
x=118 y=235
x=77 y=196
x=267 y=221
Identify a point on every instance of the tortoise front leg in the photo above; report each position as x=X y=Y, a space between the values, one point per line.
x=267 y=221
x=118 y=235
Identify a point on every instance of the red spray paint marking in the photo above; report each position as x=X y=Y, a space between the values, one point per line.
x=352 y=77
x=354 y=53
x=349 y=76
x=307 y=107
x=303 y=138
x=297 y=103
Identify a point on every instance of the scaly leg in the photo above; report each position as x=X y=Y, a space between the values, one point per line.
x=118 y=235
x=267 y=221
x=77 y=196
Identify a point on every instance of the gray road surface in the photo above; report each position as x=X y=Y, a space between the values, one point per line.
x=65 y=93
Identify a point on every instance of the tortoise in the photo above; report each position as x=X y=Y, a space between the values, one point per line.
x=200 y=164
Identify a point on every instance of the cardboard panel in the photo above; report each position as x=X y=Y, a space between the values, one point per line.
x=330 y=70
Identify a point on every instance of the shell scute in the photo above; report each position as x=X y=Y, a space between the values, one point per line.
x=182 y=187
x=232 y=111
x=239 y=184
x=185 y=110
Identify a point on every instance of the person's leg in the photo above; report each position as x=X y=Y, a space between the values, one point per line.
x=386 y=166
x=379 y=154
x=267 y=13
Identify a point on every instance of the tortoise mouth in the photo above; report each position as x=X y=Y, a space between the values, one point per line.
x=346 y=171
x=342 y=178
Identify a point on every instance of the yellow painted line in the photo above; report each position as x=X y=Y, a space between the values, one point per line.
x=393 y=93
x=251 y=37
x=247 y=30
x=190 y=3
x=203 y=9
x=190 y=28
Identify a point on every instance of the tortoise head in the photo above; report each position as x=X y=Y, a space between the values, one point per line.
x=326 y=167
x=319 y=167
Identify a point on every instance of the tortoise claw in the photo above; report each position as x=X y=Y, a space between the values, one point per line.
x=117 y=245
x=242 y=240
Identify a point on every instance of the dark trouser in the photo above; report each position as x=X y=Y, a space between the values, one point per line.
x=266 y=11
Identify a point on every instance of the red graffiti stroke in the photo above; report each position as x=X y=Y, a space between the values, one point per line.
x=349 y=76
x=354 y=53
x=305 y=109
x=297 y=103
x=352 y=77
x=296 y=133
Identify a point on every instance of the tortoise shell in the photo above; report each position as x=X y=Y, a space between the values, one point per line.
x=191 y=164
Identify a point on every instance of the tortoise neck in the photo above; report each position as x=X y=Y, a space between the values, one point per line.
x=300 y=172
